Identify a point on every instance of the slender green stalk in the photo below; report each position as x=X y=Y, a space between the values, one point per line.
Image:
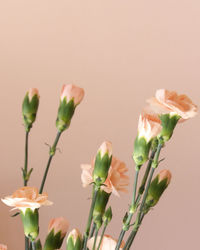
x=51 y=154
x=25 y=177
x=93 y=230
x=26 y=159
x=140 y=214
x=131 y=211
x=95 y=239
x=89 y=222
x=33 y=245
x=102 y=234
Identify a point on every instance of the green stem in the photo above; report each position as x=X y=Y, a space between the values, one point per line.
x=26 y=159
x=89 y=222
x=140 y=214
x=95 y=239
x=26 y=243
x=51 y=154
x=92 y=230
x=33 y=245
x=131 y=211
x=102 y=234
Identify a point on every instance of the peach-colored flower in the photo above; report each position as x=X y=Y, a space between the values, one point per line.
x=108 y=243
x=106 y=147
x=74 y=234
x=164 y=174
x=27 y=197
x=170 y=102
x=148 y=126
x=32 y=92
x=116 y=180
x=59 y=224
x=70 y=91
x=3 y=247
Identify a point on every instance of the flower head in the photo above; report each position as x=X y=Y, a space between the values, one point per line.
x=58 y=225
x=72 y=92
x=170 y=102
x=116 y=180
x=108 y=243
x=27 y=197
x=3 y=247
x=149 y=126
x=32 y=92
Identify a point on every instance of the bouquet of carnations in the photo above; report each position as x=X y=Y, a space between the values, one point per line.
x=106 y=174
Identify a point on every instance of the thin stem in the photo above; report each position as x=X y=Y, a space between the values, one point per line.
x=33 y=245
x=26 y=243
x=102 y=234
x=51 y=154
x=140 y=214
x=93 y=230
x=89 y=222
x=144 y=180
x=26 y=159
x=131 y=211
x=95 y=239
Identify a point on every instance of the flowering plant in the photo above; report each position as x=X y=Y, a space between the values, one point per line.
x=106 y=174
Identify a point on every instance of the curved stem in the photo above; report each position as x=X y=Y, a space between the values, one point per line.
x=51 y=154
x=89 y=222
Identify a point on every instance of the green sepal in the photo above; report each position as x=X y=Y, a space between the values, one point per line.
x=101 y=202
x=38 y=245
x=71 y=246
x=98 y=221
x=101 y=168
x=141 y=150
x=155 y=191
x=65 y=113
x=30 y=221
x=53 y=241
x=29 y=110
x=168 y=123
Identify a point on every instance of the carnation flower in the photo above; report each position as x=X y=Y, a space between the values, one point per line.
x=3 y=247
x=108 y=243
x=170 y=102
x=116 y=180
x=27 y=197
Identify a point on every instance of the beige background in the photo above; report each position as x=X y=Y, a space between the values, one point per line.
x=120 y=52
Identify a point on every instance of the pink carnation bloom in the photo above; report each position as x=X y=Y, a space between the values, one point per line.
x=70 y=91
x=108 y=243
x=170 y=102
x=3 y=247
x=27 y=197
x=116 y=180
x=59 y=225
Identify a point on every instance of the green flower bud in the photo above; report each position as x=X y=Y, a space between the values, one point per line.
x=30 y=107
x=102 y=163
x=157 y=187
x=141 y=151
x=101 y=202
x=74 y=240
x=107 y=217
x=71 y=96
x=168 y=122
x=98 y=221
x=56 y=233
x=30 y=220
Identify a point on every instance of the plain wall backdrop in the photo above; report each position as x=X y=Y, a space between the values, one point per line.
x=120 y=52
